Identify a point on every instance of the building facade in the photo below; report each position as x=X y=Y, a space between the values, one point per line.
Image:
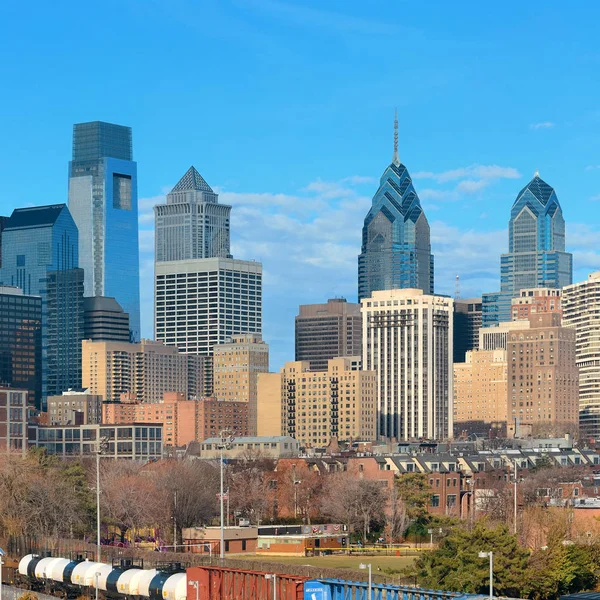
x=104 y=320
x=138 y=441
x=192 y=224
x=273 y=446
x=14 y=412
x=200 y=303
x=396 y=248
x=536 y=250
x=326 y=331
x=480 y=394
x=581 y=312
x=104 y=204
x=141 y=371
x=40 y=256
x=407 y=340
x=75 y=407
x=543 y=381
x=467 y=322
x=533 y=301
x=183 y=420
x=315 y=407
x=236 y=366
x=21 y=342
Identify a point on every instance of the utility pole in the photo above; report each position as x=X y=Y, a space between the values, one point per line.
x=101 y=446
x=515 y=495
x=175 y=521
x=226 y=442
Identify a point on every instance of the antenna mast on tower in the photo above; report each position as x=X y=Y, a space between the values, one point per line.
x=457 y=288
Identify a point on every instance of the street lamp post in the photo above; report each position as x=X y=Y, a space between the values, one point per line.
x=370 y=588
x=1 y=563
x=195 y=584
x=296 y=484
x=101 y=446
x=490 y=555
x=226 y=442
x=96 y=575
x=515 y=495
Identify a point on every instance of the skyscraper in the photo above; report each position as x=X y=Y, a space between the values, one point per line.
x=467 y=321
x=192 y=224
x=104 y=204
x=407 y=340
x=581 y=311
x=21 y=342
x=104 y=320
x=326 y=331
x=40 y=255
x=536 y=250
x=396 y=249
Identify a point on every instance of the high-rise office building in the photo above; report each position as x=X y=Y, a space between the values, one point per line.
x=315 y=407
x=467 y=322
x=236 y=365
x=407 y=340
x=396 y=249
x=104 y=320
x=536 y=250
x=40 y=255
x=326 y=331
x=203 y=302
x=64 y=330
x=104 y=204
x=21 y=342
x=581 y=311
x=192 y=224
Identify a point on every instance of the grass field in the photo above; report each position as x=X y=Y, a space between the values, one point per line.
x=385 y=563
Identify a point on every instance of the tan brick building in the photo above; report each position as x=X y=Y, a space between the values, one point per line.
x=183 y=420
x=543 y=378
x=75 y=407
x=236 y=366
x=480 y=392
x=143 y=371
x=317 y=406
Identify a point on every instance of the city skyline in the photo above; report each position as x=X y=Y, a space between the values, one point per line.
x=310 y=161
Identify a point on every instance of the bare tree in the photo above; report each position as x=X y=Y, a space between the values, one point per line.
x=353 y=502
x=396 y=516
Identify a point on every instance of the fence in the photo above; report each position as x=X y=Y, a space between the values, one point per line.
x=12 y=593
x=18 y=546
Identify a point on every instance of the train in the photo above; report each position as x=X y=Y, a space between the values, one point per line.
x=123 y=579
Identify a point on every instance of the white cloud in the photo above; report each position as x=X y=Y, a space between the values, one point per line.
x=595 y=198
x=471 y=186
x=592 y=167
x=542 y=125
x=472 y=171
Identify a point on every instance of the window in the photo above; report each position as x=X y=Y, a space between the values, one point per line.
x=451 y=500
x=435 y=501
x=20 y=260
x=122 y=192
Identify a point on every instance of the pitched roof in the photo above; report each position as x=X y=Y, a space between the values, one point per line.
x=539 y=188
x=35 y=216
x=192 y=180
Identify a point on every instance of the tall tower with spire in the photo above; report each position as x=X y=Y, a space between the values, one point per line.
x=536 y=254
x=396 y=249
x=192 y=224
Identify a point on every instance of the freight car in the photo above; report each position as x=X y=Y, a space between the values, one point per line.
x=123 y=579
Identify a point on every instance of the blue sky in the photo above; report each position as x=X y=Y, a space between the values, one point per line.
x=287 y=109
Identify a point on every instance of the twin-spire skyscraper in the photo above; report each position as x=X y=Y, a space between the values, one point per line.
x=396 y=247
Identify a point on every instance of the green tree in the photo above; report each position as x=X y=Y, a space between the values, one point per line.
x=456 y=564
x=414 y=491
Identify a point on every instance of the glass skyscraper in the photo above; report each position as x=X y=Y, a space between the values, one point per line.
x=40 y=256
x=104 y=204
x=192 y=224
x=396 y=249
x=536 y=250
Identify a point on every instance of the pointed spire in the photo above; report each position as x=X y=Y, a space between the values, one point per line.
x=536 y=174
x=395 y=159
x=192 y=181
